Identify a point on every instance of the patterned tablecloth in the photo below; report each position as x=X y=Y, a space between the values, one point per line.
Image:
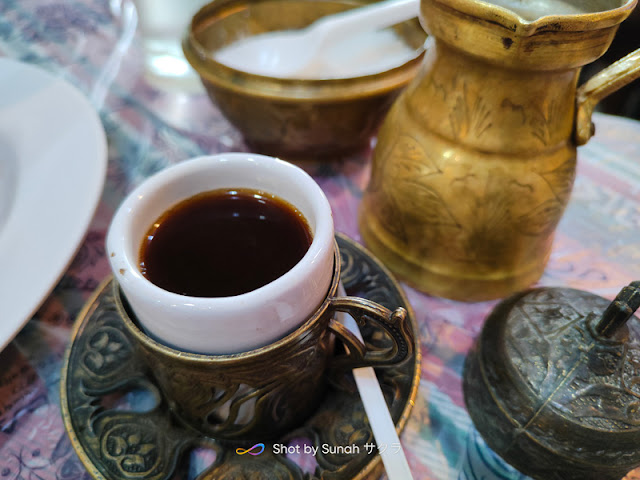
x=94 y=45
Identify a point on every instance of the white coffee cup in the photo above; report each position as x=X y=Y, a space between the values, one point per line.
x=234 y=324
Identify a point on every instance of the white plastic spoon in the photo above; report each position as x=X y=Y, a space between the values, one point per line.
x=285 y=53
x=375 y=406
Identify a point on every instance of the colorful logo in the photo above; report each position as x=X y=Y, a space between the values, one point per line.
x=250 y=451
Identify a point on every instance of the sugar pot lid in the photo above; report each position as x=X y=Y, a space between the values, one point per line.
x=553 y=383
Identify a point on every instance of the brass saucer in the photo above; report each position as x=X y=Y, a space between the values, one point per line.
x=117 y=443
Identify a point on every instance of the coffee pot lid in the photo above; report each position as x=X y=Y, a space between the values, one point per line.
x=555 y=374
x=577 y=352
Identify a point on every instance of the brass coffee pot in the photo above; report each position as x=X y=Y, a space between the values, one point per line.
x=553 y=383
x=476 y=159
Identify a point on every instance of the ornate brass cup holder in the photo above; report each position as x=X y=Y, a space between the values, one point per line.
x=114 y=443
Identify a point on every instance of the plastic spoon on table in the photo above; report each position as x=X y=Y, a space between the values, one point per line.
x=287 y=52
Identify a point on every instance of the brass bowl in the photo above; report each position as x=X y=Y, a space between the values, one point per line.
x=293 y=118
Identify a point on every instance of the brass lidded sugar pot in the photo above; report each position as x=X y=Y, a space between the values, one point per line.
x=553 y=383
x=475 y=162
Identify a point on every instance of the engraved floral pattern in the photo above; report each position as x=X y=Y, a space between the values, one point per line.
x=107 y=352
x=471 y=115
x=544 y=119
x=410 y=171
x=133 y=449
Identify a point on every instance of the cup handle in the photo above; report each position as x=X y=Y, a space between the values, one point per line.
x=357 y=355
x=604 y=83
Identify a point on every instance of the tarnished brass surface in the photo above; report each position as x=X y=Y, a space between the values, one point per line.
x=475 y=161
x=258 y=395
x=549 y=393
x=287 y=117
x=119 y=444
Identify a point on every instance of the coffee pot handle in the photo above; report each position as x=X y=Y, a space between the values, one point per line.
x=395 y=350
x=604 y=83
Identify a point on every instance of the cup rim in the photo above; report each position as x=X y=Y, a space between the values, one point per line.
x=118 y=238
x=161 y=348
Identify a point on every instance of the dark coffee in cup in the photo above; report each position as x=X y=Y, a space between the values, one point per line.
x=223 y=243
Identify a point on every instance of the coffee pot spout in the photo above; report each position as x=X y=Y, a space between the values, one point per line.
x=612 y=78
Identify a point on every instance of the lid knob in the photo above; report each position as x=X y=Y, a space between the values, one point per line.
x=620 y=310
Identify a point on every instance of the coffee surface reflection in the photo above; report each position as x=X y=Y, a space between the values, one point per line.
x=223 y=243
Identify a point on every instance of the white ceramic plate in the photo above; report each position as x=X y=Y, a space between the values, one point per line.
x=53 y=158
